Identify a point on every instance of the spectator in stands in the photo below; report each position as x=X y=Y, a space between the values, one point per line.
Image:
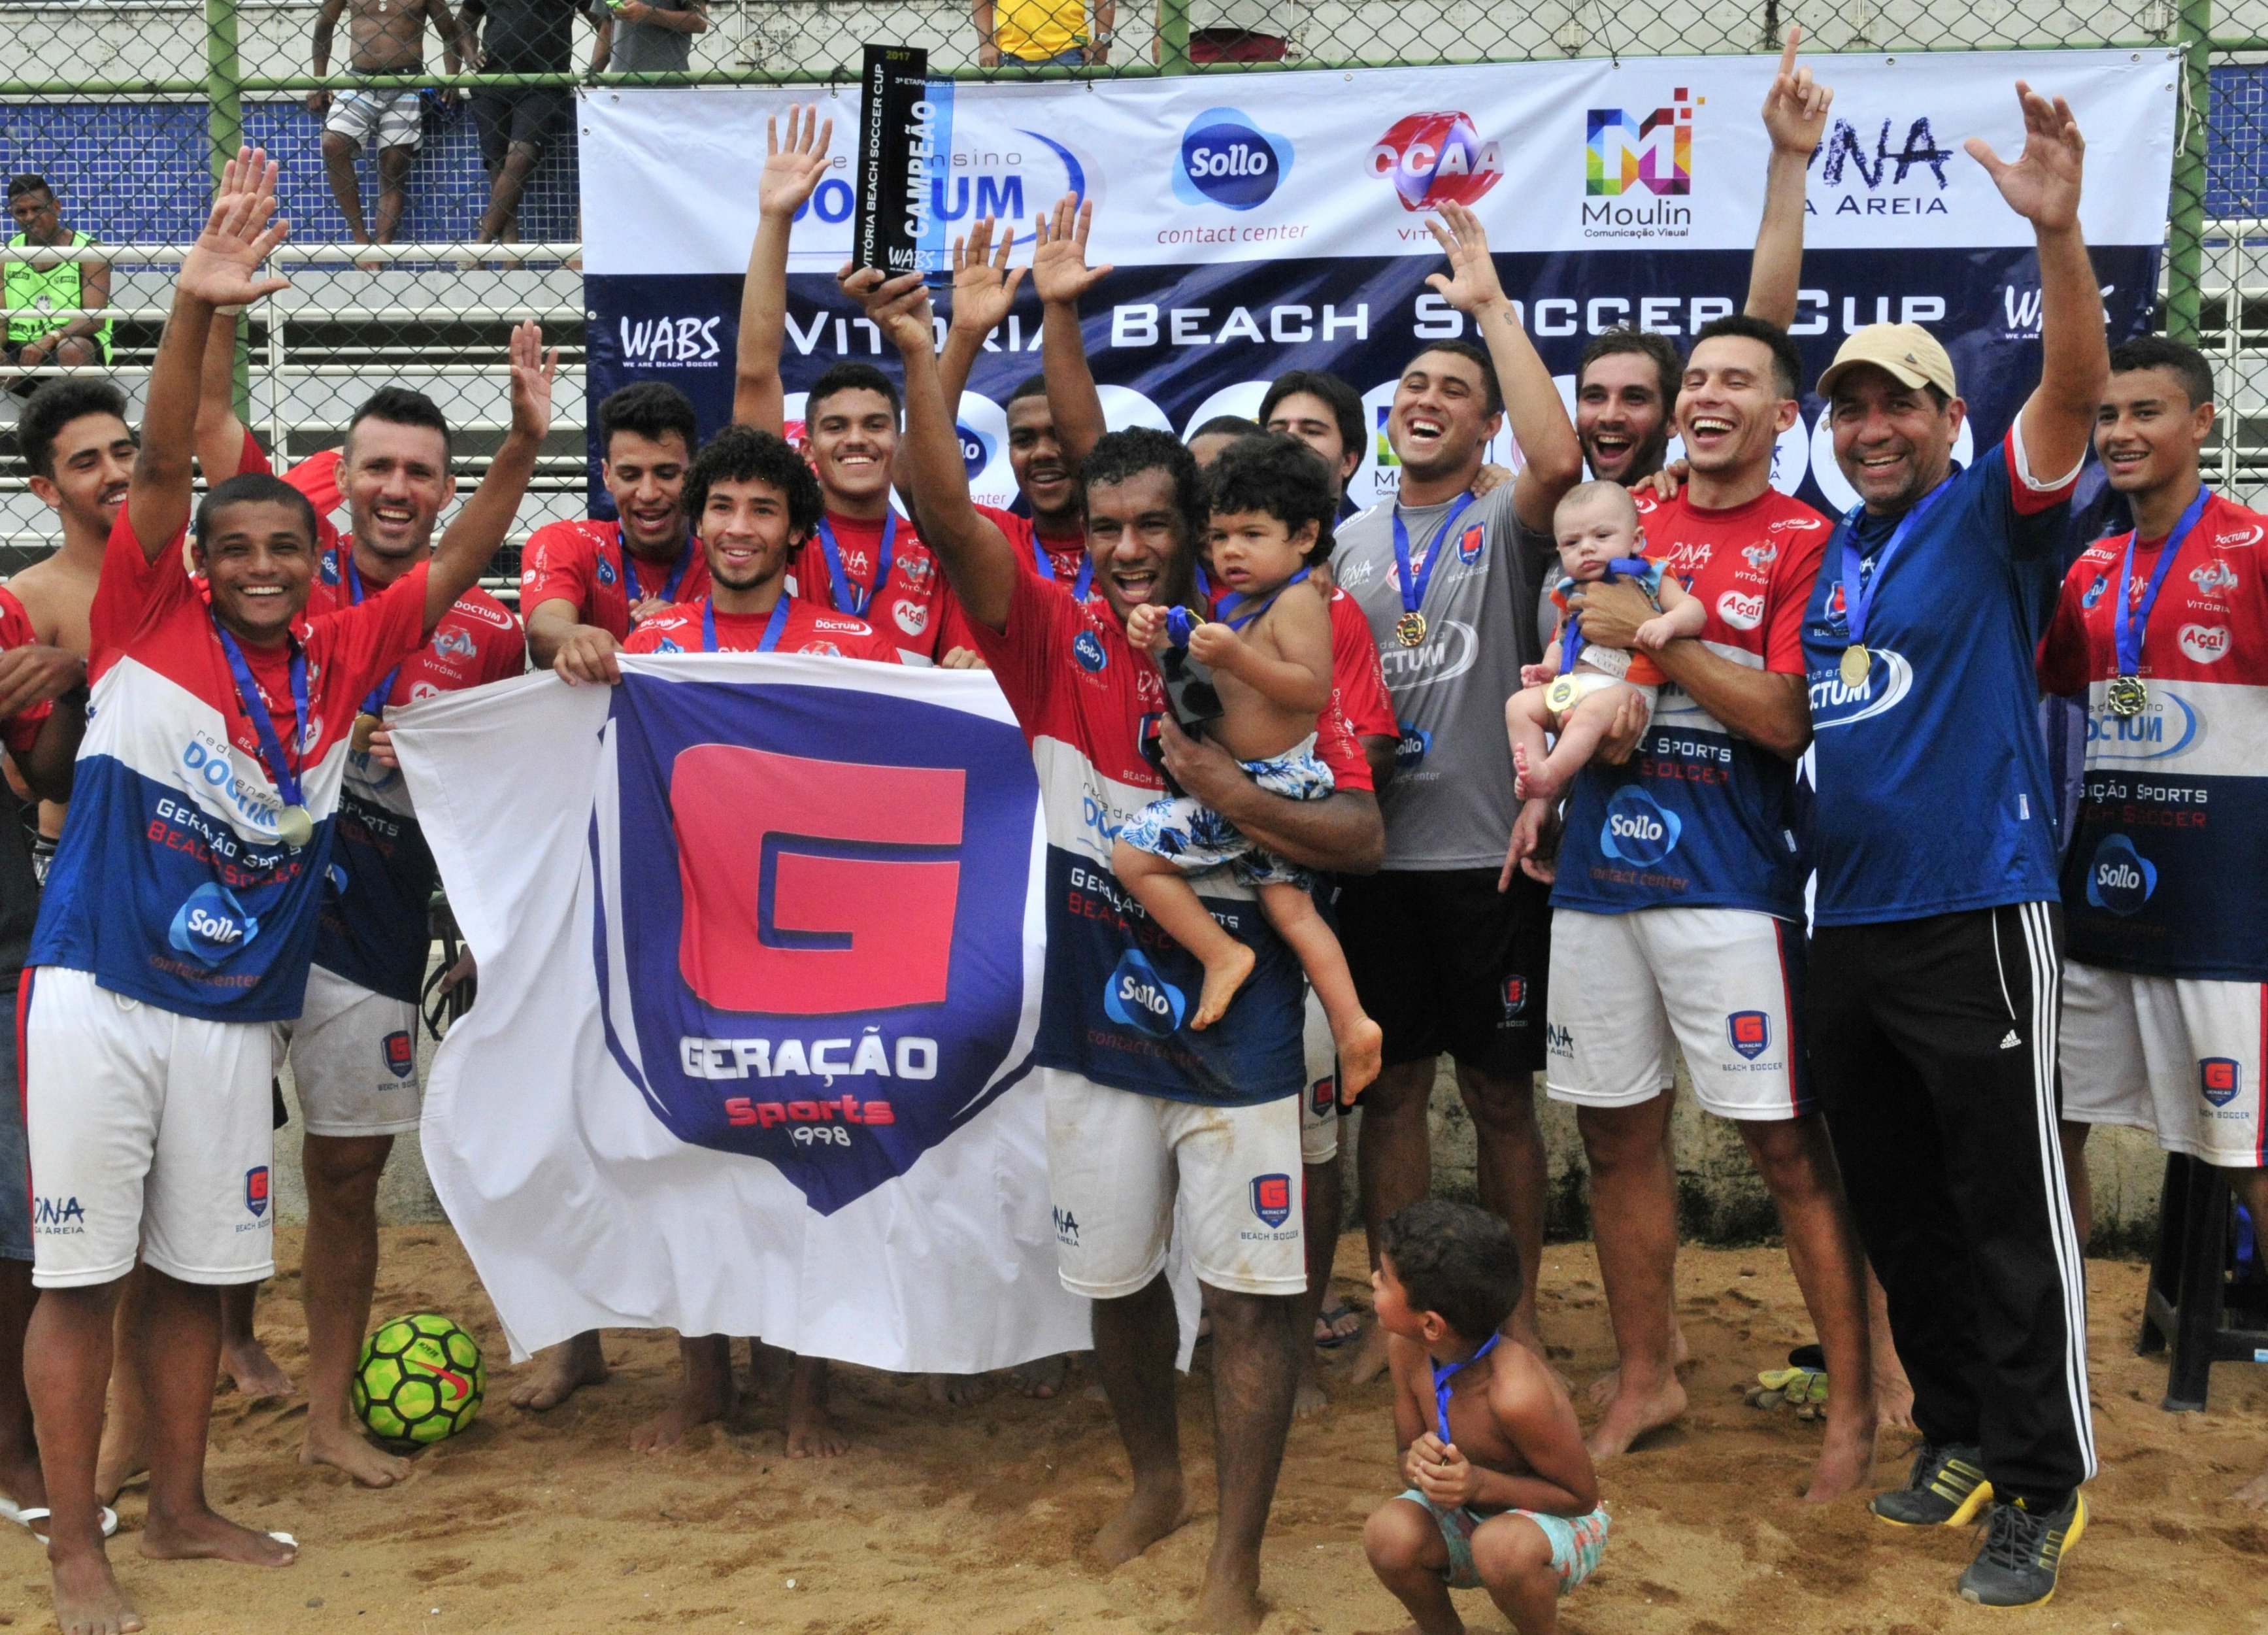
x=33 y=291
x=389 y=38
x=1234 y=31
x=516 y=122
x=647 y=36
x=1042 y=33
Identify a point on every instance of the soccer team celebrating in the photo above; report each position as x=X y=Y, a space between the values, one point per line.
x=1571 y=841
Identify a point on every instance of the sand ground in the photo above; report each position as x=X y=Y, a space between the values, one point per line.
x=970 y=1520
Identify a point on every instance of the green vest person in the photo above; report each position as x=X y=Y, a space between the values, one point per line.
x=30 y=294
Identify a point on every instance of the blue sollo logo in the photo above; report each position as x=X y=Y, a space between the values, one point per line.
x=1226 y=159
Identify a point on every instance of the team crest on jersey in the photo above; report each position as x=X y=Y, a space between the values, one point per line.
x=2217 y=1080
x=1271 y=1199
x=1087 y=647
x=255 y=1190
x=1749 y=1033
x=2215 y=578
x=398 y=1053
x=1468 y=545
x=455 y=643
x=912 y=616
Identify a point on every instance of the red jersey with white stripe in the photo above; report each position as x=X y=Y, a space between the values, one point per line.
x=171 y=885
x=587 y=564
x=2164 y=875
x=915 y=609
x=808 y=629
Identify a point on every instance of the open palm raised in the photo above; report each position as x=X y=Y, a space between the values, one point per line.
x=222 y=267
x=2042 y=185
x=792 y=169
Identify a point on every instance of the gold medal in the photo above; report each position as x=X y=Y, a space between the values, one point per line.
x=1857 y=664
x=2128 y=695
x=365 y=725
x=1560 y=697
x=1410 y=629
x=295 y=827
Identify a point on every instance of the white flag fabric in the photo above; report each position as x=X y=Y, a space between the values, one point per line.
x=760 y=944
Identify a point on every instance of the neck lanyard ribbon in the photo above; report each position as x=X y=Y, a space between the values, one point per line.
x=1442 y=1373
x=1047 y=565
x=280 y=766
x=375 y=705
x=1571 y=644
x=773 y=626
x=1232 y=613
x=2130 y=620
x=1858 y=596
x=669 y=587
x=847 y=598
x=1413 y=584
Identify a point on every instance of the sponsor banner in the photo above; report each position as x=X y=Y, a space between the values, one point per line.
x=1279 y=221
x=761 y=957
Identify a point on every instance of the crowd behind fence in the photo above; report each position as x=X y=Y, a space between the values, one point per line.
x=125 y=104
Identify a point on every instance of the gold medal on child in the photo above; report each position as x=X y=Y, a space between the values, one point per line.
x=2128 y=695
x=1410 y=629
x=1559 y=698
x=1857 y=662
x=365 y=725
x=295 y=827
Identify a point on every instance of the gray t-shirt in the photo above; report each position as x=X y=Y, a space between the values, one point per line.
x=643 y=48
x=1450 y=803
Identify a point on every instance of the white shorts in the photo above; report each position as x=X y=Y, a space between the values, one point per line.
x=354 y=1059
x=1319 y=1108
x=149 y=1131
x=2176 y=1055
x=1118 y=1163
x=396 y=118
x=1723 y=983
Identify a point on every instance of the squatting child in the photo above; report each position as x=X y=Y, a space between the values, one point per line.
x=1269 y=656
x=1598 y=531
x=1501 y=1495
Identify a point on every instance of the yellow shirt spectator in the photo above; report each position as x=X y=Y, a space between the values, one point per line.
x=1034 y=30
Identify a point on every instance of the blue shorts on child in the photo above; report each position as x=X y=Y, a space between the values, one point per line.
x=1194 y=837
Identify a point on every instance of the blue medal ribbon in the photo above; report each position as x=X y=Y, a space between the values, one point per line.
x=1229 y=612
x=847 y=599
x=676 y=574
x=1443 y=1372
x=1859 y=588
x=1047 y=564
x=375 y=705
x=1571 y=644
x=280 y=768
x=2129 y=620
x=1413 y=584
x=773 y=626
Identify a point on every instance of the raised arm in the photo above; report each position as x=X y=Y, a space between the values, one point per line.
x=984 y=290
x=1795 y=117
x=221 y=269
x=1539 y=419
x=2043 y=187
x=792 y=171
x=484 y=519
x=979 y=562
x=220 y=433
x=1062 y=277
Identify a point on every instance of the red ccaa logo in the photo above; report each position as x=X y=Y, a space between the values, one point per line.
x=1436 y=158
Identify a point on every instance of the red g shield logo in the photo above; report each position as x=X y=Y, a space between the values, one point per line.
x=800 y=899
x=1271 y=1199
x=255 y=1190
x=1516 y=996
x=1749 y=1033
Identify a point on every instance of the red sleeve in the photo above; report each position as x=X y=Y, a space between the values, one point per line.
x=132 y=587
x=1337 y=749
x=2064 y=650
x=503 y=653
x=556 y=566
x=2029 y=490
x=1028 y=651
x=1018 y=530
x=361 y=643
x=1358 y=679
x=1794 y=579
x=20 y=729
x=317 y=477
x=254 y=458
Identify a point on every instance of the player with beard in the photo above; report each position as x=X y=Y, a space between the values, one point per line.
x=1700 y=940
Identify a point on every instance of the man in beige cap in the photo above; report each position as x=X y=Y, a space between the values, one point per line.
x=1937 y=945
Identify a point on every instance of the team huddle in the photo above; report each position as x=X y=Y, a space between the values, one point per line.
x=1504 y=768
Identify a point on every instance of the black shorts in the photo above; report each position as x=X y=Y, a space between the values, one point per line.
x=523 y=117
x=1444 y=961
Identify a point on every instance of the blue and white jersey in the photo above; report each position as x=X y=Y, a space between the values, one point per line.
x=171 y=885
x=1932 y=779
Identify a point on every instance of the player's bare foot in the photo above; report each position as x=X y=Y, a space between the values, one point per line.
x=1227 y=1606
x=1361 y=1050
x=812 y=1432
x=1365 y=1358
x=88 y=1600
x=704 y=1394
x=1308 y=1398
x=1223 y=977
x=1043 y=1377
x=1893 y=1392
x=956 y=1390
x=343 y=1447
x=2254 y=1494
x=1631 y=1416
x=1847 y=1457
x=124 y=1454
x=205 y=1534
x=1601 y=1390
x=255 y=1373
x=1151 y=1513
x=1537 y=781
x=560 y=1373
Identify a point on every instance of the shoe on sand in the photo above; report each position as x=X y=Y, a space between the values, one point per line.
x=1946 y=1489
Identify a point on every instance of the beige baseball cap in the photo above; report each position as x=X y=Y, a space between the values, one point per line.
x=1908 y=353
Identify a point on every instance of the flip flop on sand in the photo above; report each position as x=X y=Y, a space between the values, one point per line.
x=1802 y=1385
x=26 y=1515
x=1337 y=1323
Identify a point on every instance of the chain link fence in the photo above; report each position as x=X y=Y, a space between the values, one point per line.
x=126 y=106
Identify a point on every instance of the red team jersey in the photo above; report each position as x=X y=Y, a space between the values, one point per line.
x=808 y=629
x=18 y=731
x=587 y=563
x=1358 y=693
x=914 y=610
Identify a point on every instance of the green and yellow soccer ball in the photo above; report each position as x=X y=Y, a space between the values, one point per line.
x=419 y=1379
